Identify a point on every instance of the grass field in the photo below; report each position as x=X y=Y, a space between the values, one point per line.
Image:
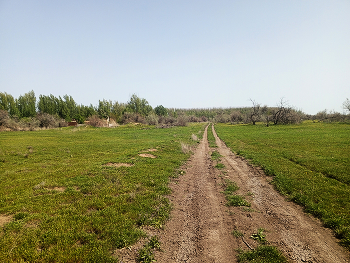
x=310 y=163
x=59 y=202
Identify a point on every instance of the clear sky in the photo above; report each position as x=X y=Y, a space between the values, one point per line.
x=179 y=53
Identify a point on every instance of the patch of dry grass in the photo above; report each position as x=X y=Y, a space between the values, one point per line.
x=185 y=148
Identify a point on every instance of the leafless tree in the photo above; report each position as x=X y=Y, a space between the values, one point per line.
x=346 y=105
x=266 y=114
x=280 y=114
x=255 y=113
x=284 y=114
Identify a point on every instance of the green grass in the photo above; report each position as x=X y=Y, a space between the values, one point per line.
x=231 y=187
x=237 y=233
x=215 y=156
x=310 y=163
x=259 y=236
x=220 y=166
x=211 y=138
x=262 y=254
x=232 y=198
x=146 y=254
x=66 y=206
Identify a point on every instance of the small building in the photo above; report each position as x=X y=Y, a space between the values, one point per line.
x=73 y=123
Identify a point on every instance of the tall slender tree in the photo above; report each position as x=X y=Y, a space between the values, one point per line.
x=27 y=104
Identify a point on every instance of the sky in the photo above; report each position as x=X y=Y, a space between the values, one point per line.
x=179 y=54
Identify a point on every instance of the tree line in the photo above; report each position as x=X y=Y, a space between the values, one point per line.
x=28 y=106
x=48 y=110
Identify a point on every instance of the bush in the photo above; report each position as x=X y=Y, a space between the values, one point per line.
x=152 y=119
x=193 y=118
x=62 y=123
x=4 y=118
x=222 y=118
x=13 y=125
x=129 y=117
x=47 y=121
x=166 y=120
x=181 y=121
x=204 y=119
x=95 y=121
x=236 y=117
x=29 y=123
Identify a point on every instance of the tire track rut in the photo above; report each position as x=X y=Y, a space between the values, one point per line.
x=199 y=227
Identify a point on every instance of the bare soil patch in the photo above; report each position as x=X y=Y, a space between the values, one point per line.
x=119 y=164
x=147 y=155
x=58 y=189
x=151 y=150
x=4 y=219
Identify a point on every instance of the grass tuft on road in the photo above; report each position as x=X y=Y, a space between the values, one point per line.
x=232 y=198
x=262 y=254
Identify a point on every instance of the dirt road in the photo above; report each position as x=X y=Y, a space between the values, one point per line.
x=201 y=224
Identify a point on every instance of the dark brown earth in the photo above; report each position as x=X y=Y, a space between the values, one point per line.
x=200 y=226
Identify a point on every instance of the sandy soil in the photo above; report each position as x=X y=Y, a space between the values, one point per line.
x=201 y=225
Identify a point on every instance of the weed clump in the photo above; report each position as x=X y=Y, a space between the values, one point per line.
x=259 y=236
x=234 y=199
x=146 y=253
x=237 y=200
x=220 y=166
x=231 y=187
x=237 y=233
x=262 y=254
x=215 y=155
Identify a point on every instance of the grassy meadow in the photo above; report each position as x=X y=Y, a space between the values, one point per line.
x=309 y=162
x=60 y=202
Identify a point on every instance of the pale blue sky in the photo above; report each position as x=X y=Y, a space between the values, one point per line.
x=183 y=54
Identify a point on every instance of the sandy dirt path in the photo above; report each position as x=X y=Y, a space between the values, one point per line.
x=199 y=229
x=200 y=226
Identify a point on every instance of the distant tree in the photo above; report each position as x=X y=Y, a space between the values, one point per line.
x=104 y=108
x=284 y=114
x=62 y=109
x=8 y=103
x=266 y=114
x=255 y=113
x=83 y=113
x=71 y=106
x=117 y=111
x=346 y=105
x=280 y=113
x=48 y=104
x=26 y=104
x=161 y=111
x=236 y=116
x=138 y=105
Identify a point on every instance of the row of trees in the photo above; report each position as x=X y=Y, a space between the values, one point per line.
x=138 y=110
x=27 y=106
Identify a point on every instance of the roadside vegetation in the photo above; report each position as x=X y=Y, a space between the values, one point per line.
x=79 y=194
x=309 y=162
